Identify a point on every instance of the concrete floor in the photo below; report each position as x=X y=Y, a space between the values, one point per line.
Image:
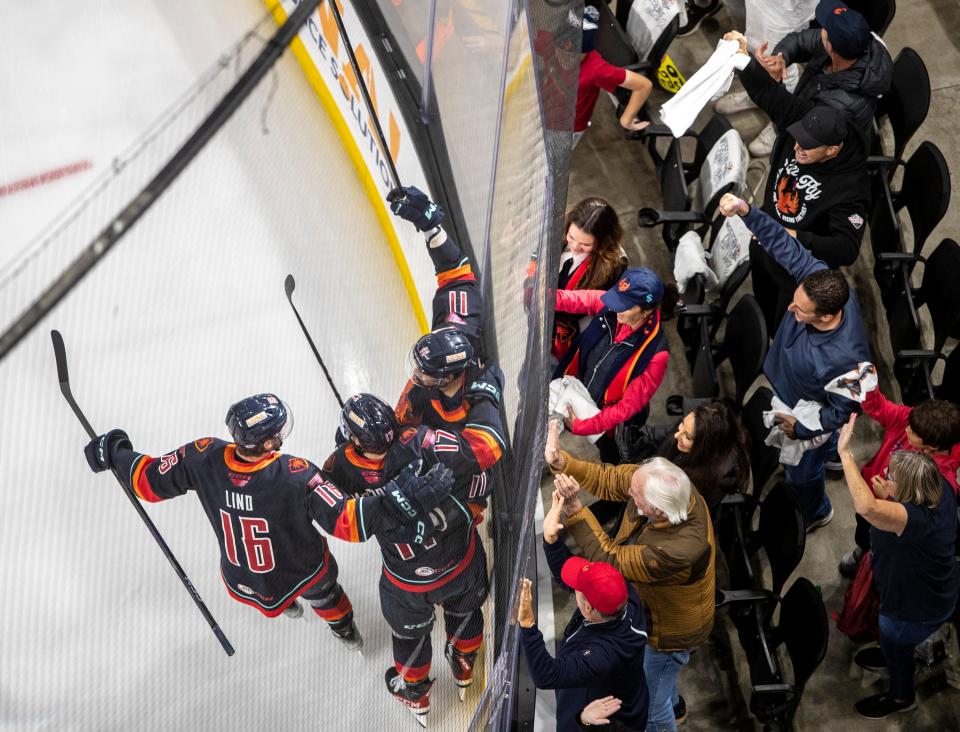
x=714 y=684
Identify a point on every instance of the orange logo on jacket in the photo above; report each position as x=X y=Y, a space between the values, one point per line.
x=297 y=464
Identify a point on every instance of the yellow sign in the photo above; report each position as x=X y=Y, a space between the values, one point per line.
x=669 y=76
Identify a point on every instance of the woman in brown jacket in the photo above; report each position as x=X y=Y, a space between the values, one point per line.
x=664 y=545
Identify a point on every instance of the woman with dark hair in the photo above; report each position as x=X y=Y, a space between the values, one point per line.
x=709 y=444
x=592 y=259
x=621 y=356
x=913 y=530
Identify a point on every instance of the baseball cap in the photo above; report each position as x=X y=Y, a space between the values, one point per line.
x=820 y=126
x=637 y=286
x=591 y=22
x=848 y=31
x=602 y=585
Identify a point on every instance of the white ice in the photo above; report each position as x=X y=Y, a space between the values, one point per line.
x=184 y=317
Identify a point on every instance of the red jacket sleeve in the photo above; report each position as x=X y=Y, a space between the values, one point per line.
x=581 y=302
x=638 y=394
x=890 y=416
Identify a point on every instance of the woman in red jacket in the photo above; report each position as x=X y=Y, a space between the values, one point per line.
x=932 y=427
x=592 y=259
x=621 y=356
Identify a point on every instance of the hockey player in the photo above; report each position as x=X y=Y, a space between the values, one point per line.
x=261 y=505
x=449 y=388
x=446 y=568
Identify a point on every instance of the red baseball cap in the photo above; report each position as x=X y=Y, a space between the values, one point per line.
x=602 y=585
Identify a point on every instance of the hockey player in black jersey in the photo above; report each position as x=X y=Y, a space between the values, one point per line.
x=446 y=568
x=449 y=388
x=261 y=505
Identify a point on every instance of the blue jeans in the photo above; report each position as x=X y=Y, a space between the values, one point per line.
x=898 y=641
x=807 y=480
x=661 y=670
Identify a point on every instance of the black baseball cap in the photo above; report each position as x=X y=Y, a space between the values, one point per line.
x=820 y=126
x=848 y=31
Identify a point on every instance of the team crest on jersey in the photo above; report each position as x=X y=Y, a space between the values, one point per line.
x=407 y=435
x=856 y=221
x=203 y=443
x=297 y=465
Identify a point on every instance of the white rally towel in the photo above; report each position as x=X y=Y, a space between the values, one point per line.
x=570 y=392
x=807 y=414
x=710 y=82
x=690 y=261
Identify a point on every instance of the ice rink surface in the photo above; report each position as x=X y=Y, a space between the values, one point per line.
x=185 y=316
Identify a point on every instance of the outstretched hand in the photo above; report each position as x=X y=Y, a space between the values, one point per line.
x=599 y=711
x=551 y=522
x=551 y=450
x=569 y=488
x=846 y=436
x=525 y=614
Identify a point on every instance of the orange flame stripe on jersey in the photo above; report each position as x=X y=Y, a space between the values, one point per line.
x=484 y=445
x=141 y=486
x=347 y=527
x=467 y=645
x=454 y=415
x=242 y=466
x=338 y=612
x=463 y=272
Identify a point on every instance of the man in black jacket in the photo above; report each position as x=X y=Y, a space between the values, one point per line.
x=603 y=644
x=848 y=68
x=817 y=186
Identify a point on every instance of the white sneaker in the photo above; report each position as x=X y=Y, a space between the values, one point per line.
x=762 y=144
x=734 y=102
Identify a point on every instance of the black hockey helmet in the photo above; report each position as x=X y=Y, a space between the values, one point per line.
x=258 y=418
x=444 y=352
x=369 y=422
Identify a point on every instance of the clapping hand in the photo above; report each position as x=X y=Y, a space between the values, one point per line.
x=551 y=522
x=569 y=488
x=599 y=710
x=882 y=486
x=775 y=65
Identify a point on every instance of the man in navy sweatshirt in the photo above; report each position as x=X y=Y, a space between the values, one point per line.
x=821 y=354
x=601 y=652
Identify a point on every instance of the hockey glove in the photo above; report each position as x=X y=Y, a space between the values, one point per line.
x=413 y=205
x=488 y=385
x=100 y=450
x=415 y=496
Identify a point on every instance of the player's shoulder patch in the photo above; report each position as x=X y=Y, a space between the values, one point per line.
x=429 y=439
x=408 y=434
x=202 y=444
x=297 y=465
x=330 y=462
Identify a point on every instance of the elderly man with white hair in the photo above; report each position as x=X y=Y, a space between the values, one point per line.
x=663 y=544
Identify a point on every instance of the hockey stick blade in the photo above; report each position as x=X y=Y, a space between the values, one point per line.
x=289 y=285
x=63 y=376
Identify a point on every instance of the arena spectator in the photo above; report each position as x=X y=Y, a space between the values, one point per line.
x=709 y=444
x=913 y=532
x=592 y=259
x=596 y=75
x=602 y=648
x=932 y=427
x=768 y=21
x=847 y=67
x=820 y=355
x=664 y=544
x=621 y=356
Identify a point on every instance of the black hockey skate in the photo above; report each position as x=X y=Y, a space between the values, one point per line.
x=347 y=633
x=294 y=610
x=462 y=666
x=415 y=697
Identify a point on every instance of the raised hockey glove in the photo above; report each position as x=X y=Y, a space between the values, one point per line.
x=100 y=450
x=413 y=496
x=413 y=205
x=488 y=385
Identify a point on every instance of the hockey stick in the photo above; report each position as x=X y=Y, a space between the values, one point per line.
x=365 y=93
x=60 y=353
x=289 y=285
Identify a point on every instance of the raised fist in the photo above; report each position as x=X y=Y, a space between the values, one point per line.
x=99 y=451
x=413 y=205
